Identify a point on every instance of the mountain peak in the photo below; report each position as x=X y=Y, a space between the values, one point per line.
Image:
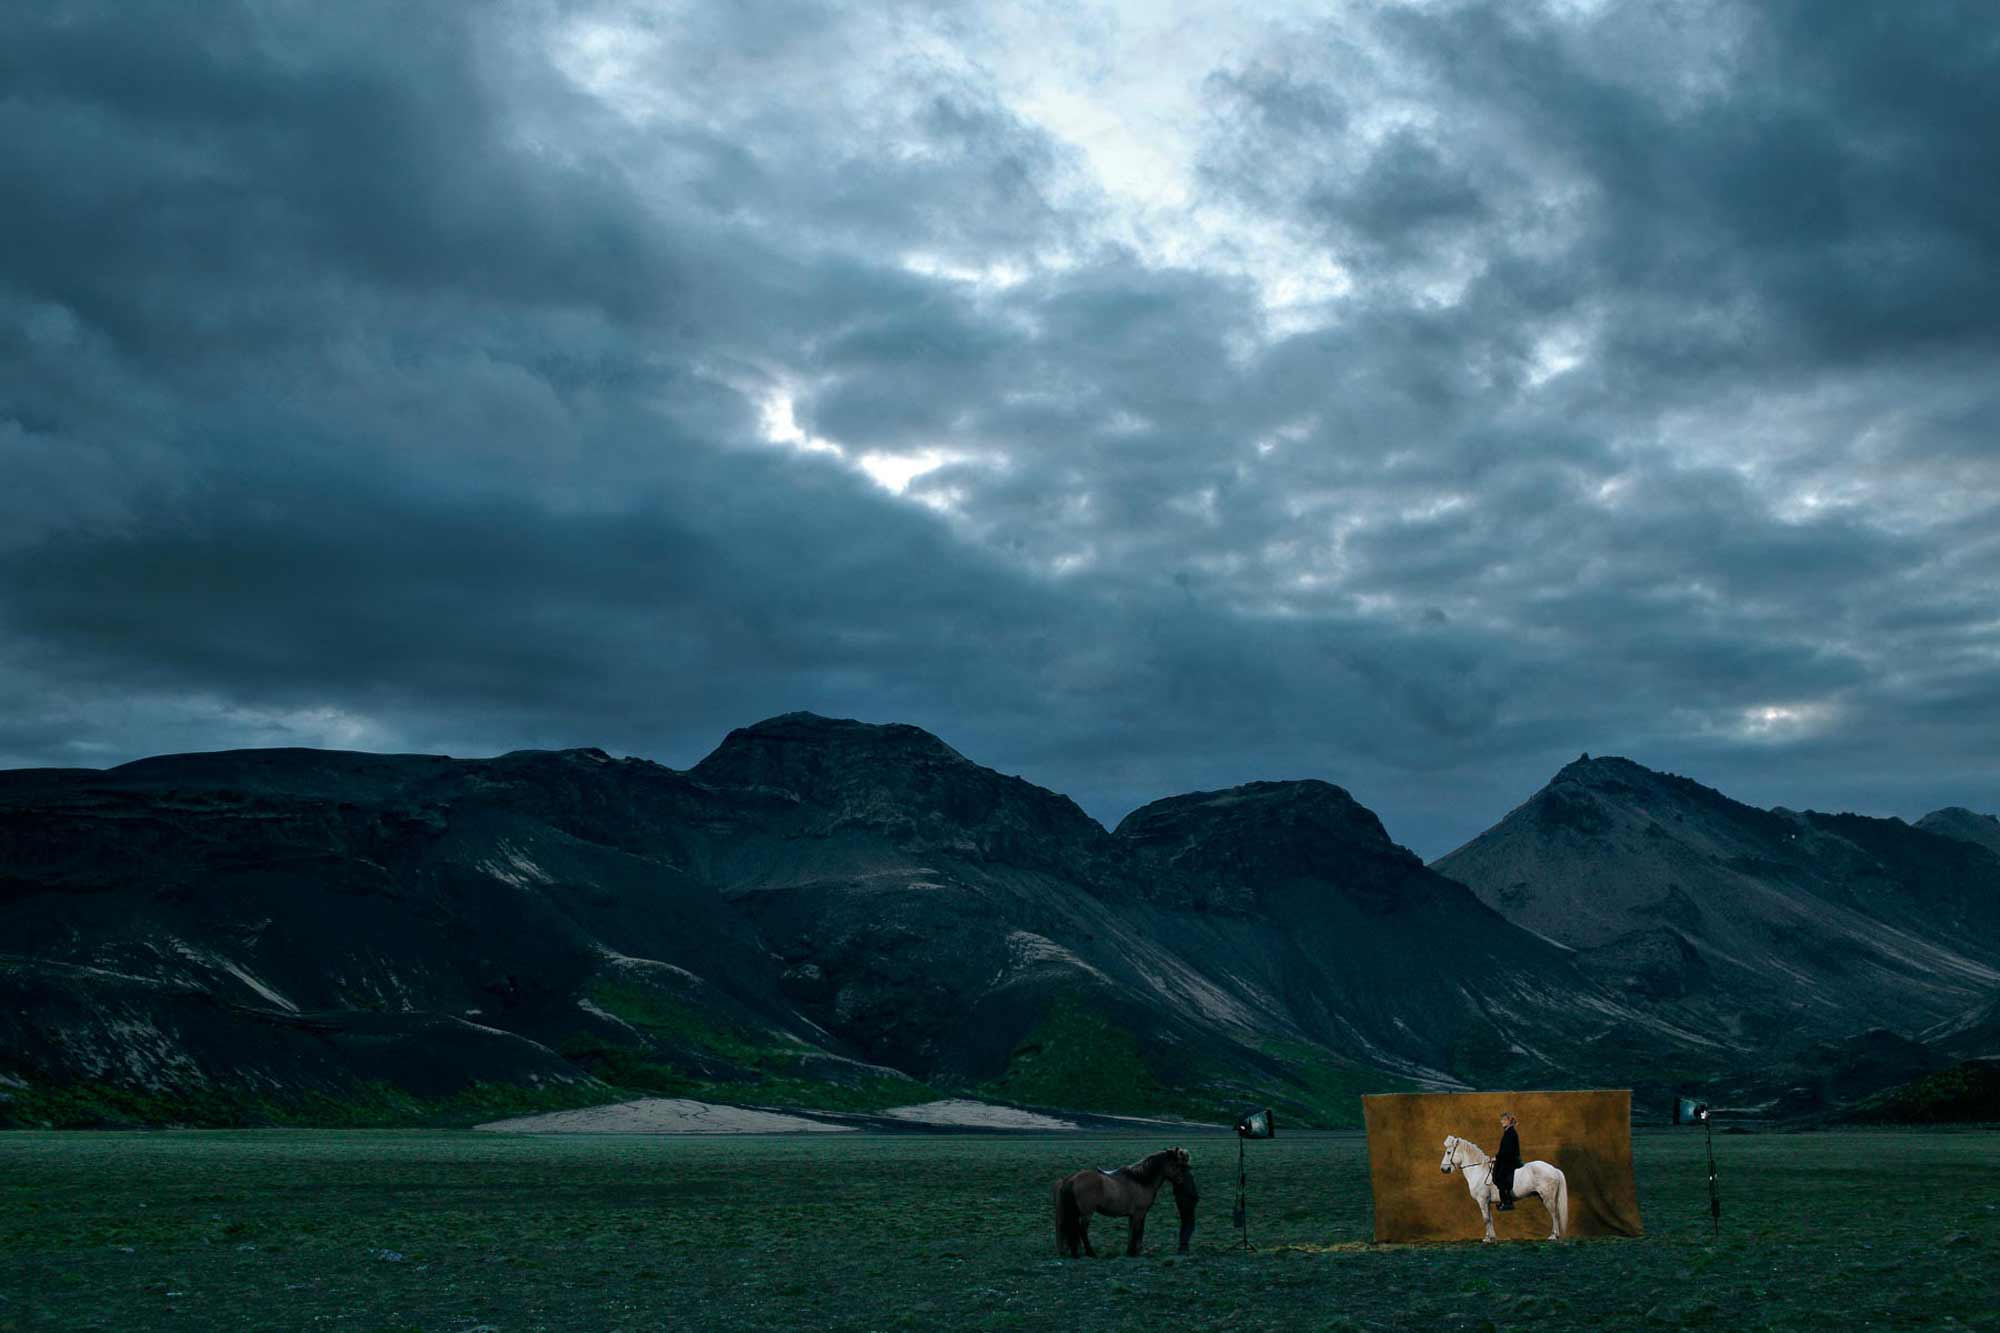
x=1241 y=840
x=782 y=751
x=1602 y=769
x=588 y=754
x=1261 y=799
x=1607 y=782
x=1955 y=821
x=1955 y=814
x=899 y=781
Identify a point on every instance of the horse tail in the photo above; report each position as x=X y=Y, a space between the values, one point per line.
x=1562 y=1200
x=1069 y=1218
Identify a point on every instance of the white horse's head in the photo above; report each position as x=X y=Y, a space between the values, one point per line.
x=1461 y=1153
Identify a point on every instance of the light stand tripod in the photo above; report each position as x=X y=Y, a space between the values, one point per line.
x=1242 y=1214
x=1714 y=1193
x=1687 y=1110
x=1249 y=1125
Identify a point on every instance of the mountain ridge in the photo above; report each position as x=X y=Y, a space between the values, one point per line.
x=825 y=908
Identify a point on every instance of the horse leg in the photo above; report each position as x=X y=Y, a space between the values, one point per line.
x=1083 y=1234
x=1138 y=1234
x=1069 y=1220
x=1486 y=1216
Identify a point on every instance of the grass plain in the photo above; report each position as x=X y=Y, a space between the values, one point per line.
x=444 y=1230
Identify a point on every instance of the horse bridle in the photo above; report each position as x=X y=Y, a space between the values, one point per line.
x=1456 y=1144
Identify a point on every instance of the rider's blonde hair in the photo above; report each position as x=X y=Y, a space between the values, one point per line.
x=1507 y=1115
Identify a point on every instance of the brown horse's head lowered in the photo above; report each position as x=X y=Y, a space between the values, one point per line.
x=1127 y=1191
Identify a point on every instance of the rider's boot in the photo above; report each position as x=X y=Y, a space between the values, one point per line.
x=1506 y=1201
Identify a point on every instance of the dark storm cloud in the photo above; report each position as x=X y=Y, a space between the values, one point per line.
x=370 y=375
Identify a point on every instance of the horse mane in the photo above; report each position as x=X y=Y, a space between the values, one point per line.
x=1484 y=1160
x=1147 y=1169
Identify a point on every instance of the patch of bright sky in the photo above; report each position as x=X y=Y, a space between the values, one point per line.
x=607 y=57
x=780 y=422
x=1779 y=722
x=1123 y=85
x=894 y=472
x=1120 y=84
x=1769 y=723
x=995 y=276
x=1560 y=349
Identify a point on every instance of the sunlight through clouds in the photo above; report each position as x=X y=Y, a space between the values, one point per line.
x=1784 y=722
x=779 y=415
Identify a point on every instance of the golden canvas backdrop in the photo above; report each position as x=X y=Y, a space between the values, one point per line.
x=1586 y=1135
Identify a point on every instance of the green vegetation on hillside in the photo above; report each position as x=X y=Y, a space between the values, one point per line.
x=678 y=1023
x=766 y=1069
x=731 y=1063
x=1077 y=1059
x=1323 y=1093
x=366 y=1106
x=1967 y=1093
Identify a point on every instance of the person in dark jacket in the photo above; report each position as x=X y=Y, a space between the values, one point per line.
x=1185 y=1198
x=1507 y=1160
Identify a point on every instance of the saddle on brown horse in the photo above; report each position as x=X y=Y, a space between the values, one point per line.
x=1127 y=1192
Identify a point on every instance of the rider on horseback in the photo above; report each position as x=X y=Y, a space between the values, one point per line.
x=1506 y=1160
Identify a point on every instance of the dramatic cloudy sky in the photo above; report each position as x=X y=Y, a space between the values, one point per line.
x=1141 y=396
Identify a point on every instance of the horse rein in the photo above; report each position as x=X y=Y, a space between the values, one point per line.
x=1456 y=1144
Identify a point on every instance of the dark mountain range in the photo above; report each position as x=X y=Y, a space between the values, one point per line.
x=841 y=914
x=818 y=911
x=1759 y=926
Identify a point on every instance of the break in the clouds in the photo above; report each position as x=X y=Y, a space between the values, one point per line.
x=1141 y=397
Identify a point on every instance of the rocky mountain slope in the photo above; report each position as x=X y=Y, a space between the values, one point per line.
x=288 y=922
x=1974 y=1034
x=1760 y=926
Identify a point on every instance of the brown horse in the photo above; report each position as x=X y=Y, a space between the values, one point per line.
x=1126 y=1192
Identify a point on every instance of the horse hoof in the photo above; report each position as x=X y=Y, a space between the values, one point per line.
x=1486 y=1240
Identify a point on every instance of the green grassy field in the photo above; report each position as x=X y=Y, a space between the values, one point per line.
x=305 y=1229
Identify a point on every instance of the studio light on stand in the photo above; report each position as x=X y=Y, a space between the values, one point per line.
x=1249 y=1125
x=1688 y=1111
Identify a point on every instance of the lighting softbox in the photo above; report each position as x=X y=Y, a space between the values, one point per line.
x=1257 y=1124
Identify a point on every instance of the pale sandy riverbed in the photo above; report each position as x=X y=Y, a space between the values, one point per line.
x=679 y=1115
x=664 y=1115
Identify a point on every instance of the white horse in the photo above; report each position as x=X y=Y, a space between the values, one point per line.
x=1541 y=1179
